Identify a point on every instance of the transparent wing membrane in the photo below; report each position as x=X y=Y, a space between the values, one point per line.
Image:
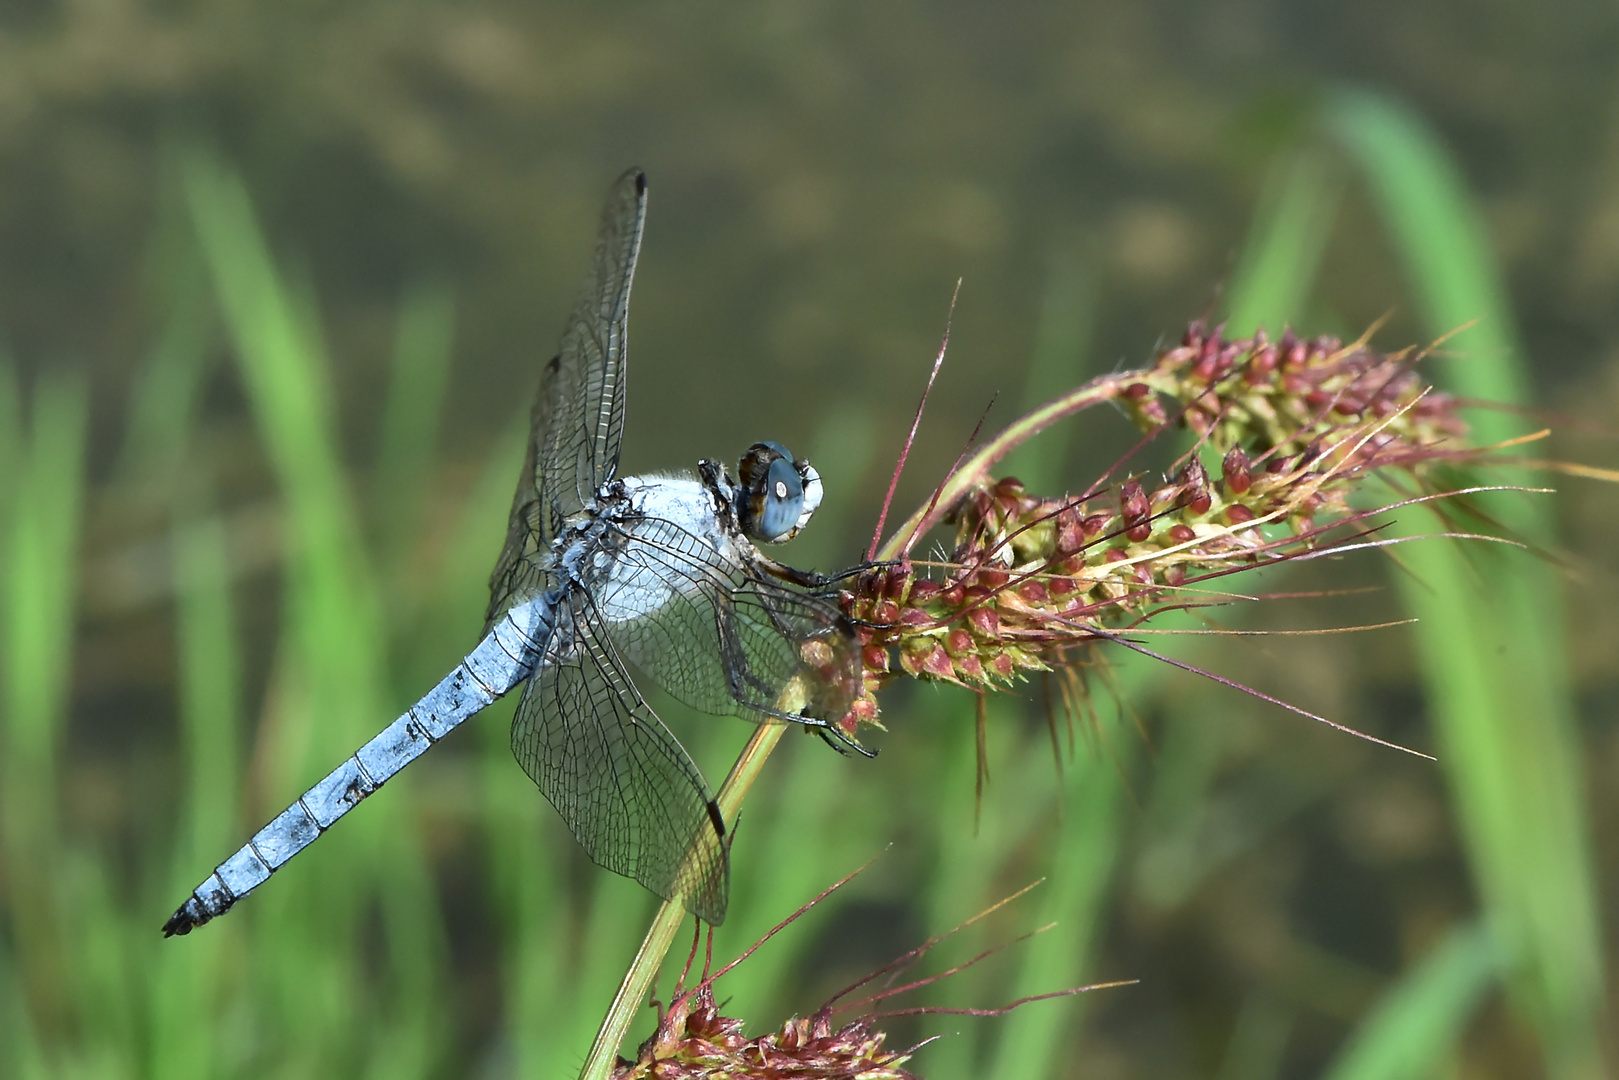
x=633 y=798
x=732 y=641
x=578 y=418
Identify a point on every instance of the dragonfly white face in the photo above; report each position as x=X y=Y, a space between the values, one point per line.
x=597 y=570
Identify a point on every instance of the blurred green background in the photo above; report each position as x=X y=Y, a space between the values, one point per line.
x=275 y=284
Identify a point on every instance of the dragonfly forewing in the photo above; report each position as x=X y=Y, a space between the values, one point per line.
x=730 y=640
x=629 y=792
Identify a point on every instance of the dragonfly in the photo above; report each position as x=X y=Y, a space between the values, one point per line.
x=603 y=575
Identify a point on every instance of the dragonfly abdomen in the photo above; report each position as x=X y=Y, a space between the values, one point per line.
x=504 y=658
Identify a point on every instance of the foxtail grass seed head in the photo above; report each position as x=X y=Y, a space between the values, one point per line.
x=1295 y=426
x=694 y=1041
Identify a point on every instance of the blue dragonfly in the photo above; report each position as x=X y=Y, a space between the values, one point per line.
x=600 y=575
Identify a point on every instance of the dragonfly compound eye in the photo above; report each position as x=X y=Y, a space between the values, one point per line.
x=776 y=501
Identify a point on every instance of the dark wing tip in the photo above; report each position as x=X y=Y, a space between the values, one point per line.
x=640 y=178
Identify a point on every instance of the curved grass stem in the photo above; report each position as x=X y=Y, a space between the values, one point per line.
x=632 y=992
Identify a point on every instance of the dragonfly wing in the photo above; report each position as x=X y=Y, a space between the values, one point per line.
x=729 y=639
x=581 y=452
x=628 y=790
x=578 y=419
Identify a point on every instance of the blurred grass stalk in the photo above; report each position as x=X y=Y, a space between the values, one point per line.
x=331 y=691
x=1508 y=740
x=42 y=466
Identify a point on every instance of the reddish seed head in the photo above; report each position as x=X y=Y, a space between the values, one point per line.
x=874 y=658
x=1032 y=591
x=1237 y=514
x=1175 y=574
x=1194 y=481
x=985 y=620
x=887 y=613
x=1061 y=586
x=958 y=642
x=1002 y=665
x=1262 y=366
x=1137 y=391
x=1113 y=555
x=938 y=664
x=971 y=668
x=1070 y=536
x=993 y=579
x=1181 y=534
x=1135 y=510
x=896 y=583
x=924 y=590
x=913 y=656
x=1095 y=525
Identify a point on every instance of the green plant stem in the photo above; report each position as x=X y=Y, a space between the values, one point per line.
x=632 y=993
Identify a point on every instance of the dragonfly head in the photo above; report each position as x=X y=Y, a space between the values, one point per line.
x=778 y=493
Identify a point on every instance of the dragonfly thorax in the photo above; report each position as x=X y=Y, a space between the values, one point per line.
x=651 y=513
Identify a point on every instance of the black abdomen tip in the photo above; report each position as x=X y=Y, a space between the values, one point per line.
x=181 y=922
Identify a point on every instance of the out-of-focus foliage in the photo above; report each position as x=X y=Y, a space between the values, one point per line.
x=259 y=425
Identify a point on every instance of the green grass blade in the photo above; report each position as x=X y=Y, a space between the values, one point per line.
x=210 y=692
x=337 y=692
x=1508 y=740
x=1077 y=889
x=188 y=991
x=1095 y=819
x=1414 y=1029
x=410 y=416
x=1259 y=1039
x=1067 y=320
x=38 y=606
x=169 y=386
x=20 y=1053
x=1283 y=254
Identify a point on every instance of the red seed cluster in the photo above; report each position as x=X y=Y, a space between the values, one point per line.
x=1294 y=427
x=1255 y=392
x=694 y=1041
